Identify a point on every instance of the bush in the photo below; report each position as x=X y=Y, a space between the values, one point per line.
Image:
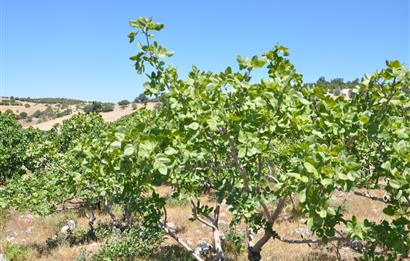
x=27 y=105
x=106 y=107
x=93 y=107
x=36 y=114
x=134 y=242
x=15 y=252
x=64 y=113
x=23 y=115
x=124 y=102
x=8 y=111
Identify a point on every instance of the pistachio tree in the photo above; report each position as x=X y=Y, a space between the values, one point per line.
x=256 y=144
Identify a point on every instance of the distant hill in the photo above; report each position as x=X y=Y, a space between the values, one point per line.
x=44 y=113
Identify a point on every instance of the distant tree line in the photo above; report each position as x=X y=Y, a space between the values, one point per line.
x=333 y=84
x=98 y=107
x=50 y=100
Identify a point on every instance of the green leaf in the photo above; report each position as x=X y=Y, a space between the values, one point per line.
x=119 y=136
x=394 y=184
x=170 y=151
x=259 y=102
x=389 y=211
x=193 y=126
x=116 y=144
x=129 y=150
x=310 y=168
x=386 y=165
x=326 y=182
x=162 y=169
x=132 y=36
x=233 y=117
x=322 y=213
x=342 y=176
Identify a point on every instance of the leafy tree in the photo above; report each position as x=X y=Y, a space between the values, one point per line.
x=254 y=145
x=141 y=98
x=258 y=144
x=12 y=147
x=93 y=107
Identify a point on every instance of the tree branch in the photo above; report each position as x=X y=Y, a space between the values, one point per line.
x=172 y=234
x=311 y=241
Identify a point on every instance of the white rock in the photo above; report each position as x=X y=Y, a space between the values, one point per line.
x=223 y=222
x=10 y=238
x=71 y=224
x=65 y=230
x=2 y=258
x=175 y=227
x=303 y=232
x=203 y=248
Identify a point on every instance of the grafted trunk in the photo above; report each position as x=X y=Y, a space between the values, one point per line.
x=254 y=251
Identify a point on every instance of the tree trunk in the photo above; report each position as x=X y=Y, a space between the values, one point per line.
x=254 y=254
x=219 y=254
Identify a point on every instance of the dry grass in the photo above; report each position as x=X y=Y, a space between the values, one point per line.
x=32 y=232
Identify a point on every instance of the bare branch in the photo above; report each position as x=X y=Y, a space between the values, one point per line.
x=172 y=234
x=311 y=241
x=200 y=219
x=372 y=197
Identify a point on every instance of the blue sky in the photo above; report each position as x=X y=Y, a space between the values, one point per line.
x=80 y=49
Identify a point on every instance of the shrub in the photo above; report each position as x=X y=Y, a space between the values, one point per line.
x=93 y=107
x=124 y=102
x=106 y=107
x=64 y=113
x=23 y=115
x=15 y=252
x=36 y=114
x=134 y=242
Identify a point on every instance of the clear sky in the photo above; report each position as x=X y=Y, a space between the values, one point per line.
x=80 y=49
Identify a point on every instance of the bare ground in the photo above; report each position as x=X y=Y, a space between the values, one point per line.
x=32 y=231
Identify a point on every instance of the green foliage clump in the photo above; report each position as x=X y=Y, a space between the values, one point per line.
x=12 y=147
x=98 y=107
x=22 y=115
x=14 y=252
x=76 y=127
x=133 y=244
x=232 y=243
x=123 y=102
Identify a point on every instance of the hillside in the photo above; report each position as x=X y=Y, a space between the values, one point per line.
x=45 y=113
